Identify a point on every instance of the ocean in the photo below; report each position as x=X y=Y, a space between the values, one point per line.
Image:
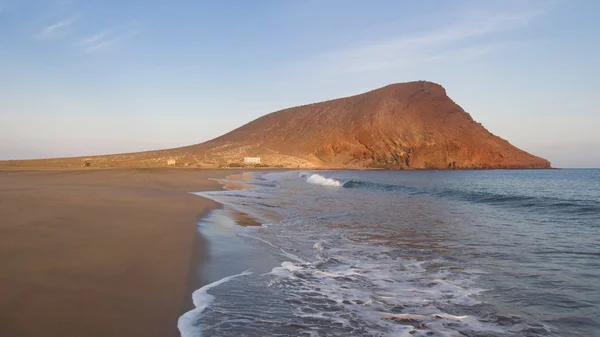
x=403 y=253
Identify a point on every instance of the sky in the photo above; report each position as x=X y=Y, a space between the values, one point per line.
x=93 y=77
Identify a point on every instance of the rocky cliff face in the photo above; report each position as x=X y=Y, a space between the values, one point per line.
x=407 y=125
x=401 y=126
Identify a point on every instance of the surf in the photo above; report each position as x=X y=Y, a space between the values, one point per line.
x=318 y=179
x=396 y=254
x=186 y=323
x=510 y=200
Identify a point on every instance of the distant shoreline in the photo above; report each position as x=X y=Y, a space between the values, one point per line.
x=15 y=168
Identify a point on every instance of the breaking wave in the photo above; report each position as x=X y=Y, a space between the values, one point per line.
x=545 y=203
x=318 y=179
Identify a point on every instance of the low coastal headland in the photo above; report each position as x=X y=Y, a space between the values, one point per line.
x=413 y=125
x=100 y=252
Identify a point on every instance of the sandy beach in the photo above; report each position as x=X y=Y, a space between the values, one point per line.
x=99 y=252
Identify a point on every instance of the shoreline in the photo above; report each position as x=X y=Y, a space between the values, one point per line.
x=100 y=252
x=199 y=256
x=197 y=260
x=226 y=255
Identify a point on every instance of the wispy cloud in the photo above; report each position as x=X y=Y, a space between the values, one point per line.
x=463 y=37
x=90 y=40
x=57 y=29
x=105 y=39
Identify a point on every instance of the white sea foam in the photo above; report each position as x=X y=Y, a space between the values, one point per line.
x=318 y=246
x=364 y=286
x=320 y=180
x=281 y=250
x=202 y=299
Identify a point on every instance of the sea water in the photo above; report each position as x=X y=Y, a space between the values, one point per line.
x=404 y=253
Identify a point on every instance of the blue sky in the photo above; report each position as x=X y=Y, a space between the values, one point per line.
x=90 y=77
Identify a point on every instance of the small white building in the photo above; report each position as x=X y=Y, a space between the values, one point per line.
x=171 y=162
x=252 y=160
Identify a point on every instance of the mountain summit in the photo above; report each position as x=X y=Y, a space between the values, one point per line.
x=411 y=125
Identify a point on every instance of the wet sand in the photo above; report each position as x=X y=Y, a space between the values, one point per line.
x=99 y=252
x=237 y=181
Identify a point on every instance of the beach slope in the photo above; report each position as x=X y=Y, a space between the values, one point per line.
x=98 y=252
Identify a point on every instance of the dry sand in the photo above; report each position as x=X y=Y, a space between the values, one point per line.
x=99 y=252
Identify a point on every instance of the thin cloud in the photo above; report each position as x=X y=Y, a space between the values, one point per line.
x=57 y=29
x=471 y=52
x=95 y=38
x=100 y=42
x=404 y=51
